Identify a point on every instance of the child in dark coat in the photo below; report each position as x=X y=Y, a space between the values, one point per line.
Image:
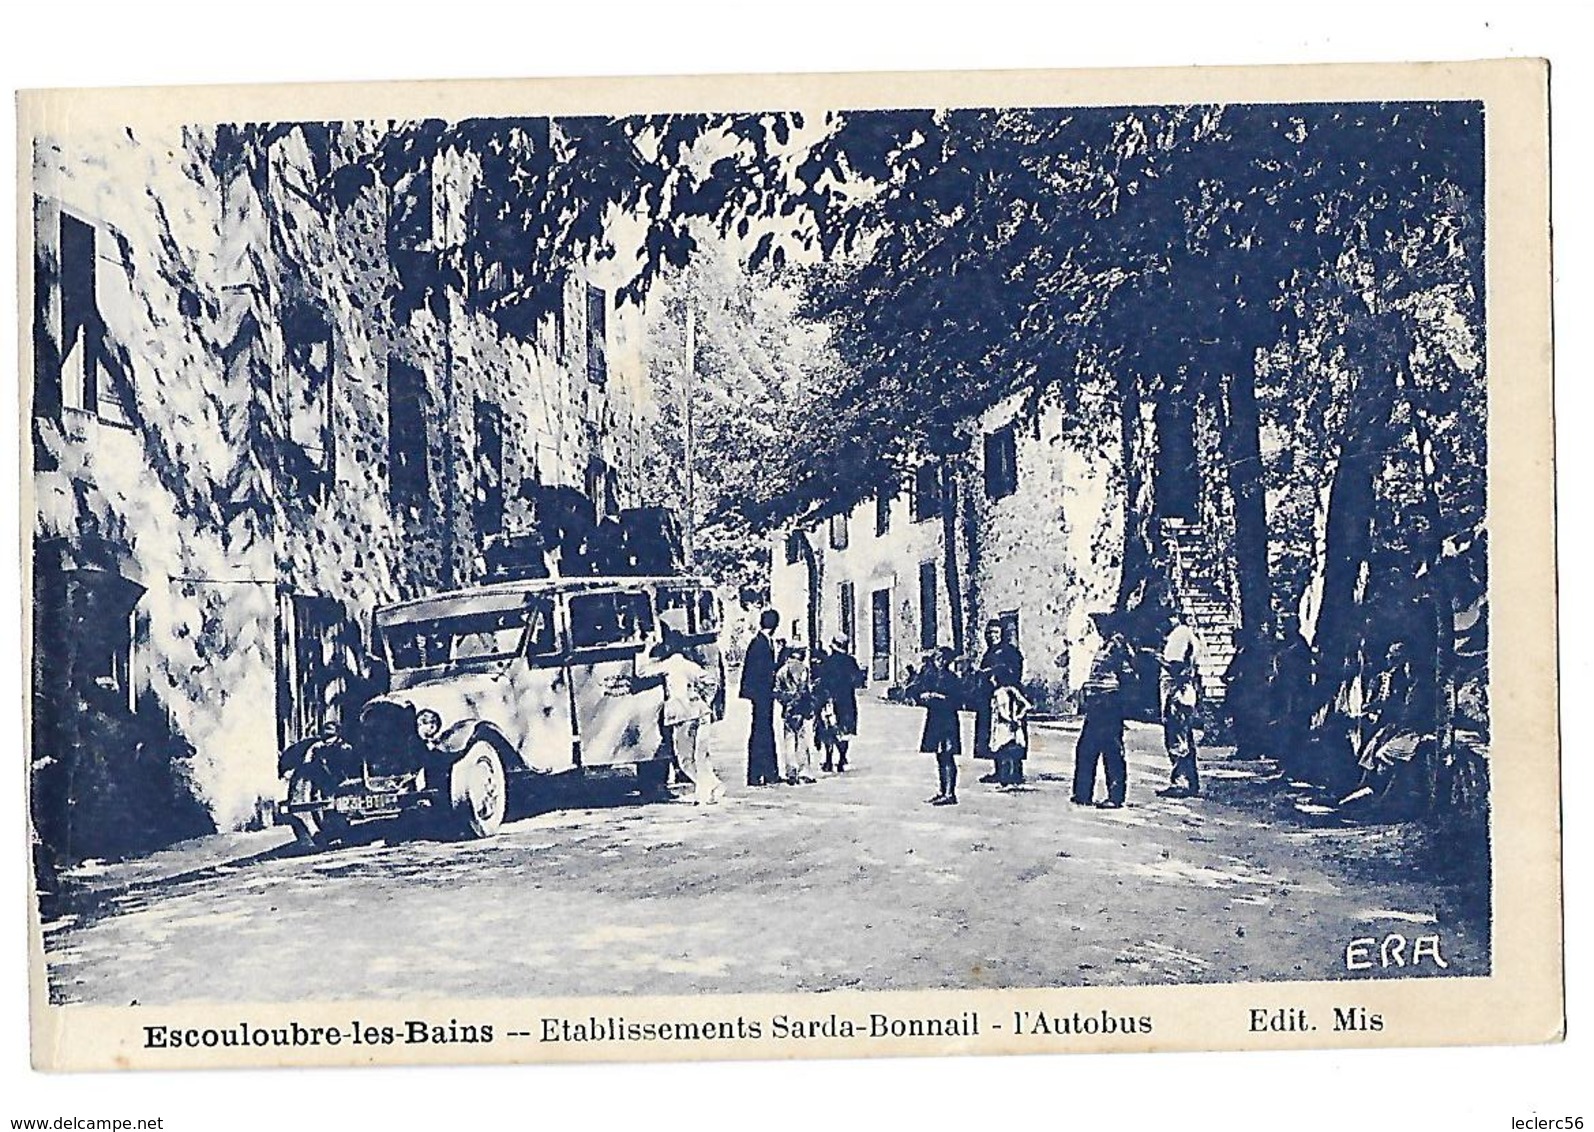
x=938 y=689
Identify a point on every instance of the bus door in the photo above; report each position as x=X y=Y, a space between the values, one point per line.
x=540 y=693
x=617 y=716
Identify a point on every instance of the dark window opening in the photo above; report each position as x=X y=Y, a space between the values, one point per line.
x=108 y=779
x=708 y=613
x=46 y=356
x=929 y=626
x=849 y=615
x=307 y=334
x=926 y=492
x=597 y=336
x=81 y=329
x=84 y=635
x=491 y=635
x=487 y=499
x=603 y=488
x=839 y=530
x=318 y=666
x=697 y=609
x=1001 y=463
x=794 y=548
x=882 y=511
x=408 y=481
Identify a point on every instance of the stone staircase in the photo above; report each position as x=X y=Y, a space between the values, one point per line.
x=1201 y=585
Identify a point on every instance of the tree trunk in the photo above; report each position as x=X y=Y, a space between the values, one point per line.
x=970 y=521
x=949 y=524
x=1242 y=448
x=1139 y=557
x=1440 y=783
x=1347 y=539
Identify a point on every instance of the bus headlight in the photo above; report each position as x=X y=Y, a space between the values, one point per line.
x=428 y=724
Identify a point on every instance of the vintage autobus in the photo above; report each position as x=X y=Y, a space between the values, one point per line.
x=494 y=689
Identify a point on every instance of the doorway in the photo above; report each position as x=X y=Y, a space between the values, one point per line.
x=880 y=626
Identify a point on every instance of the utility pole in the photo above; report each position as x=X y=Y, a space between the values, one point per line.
x=687 y=395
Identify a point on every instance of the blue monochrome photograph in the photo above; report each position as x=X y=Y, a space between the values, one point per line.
x=818 y=551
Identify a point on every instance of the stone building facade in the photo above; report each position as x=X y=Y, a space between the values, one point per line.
x=245 y=438
x=1035 y=518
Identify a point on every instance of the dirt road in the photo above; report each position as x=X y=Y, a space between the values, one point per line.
x=852 y=882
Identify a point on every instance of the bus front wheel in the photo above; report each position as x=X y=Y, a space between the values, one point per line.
x=477 y=791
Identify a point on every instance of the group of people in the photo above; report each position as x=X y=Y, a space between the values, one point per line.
x=1001 y=732
x=818 y=700
x=1001 y=712
x=1100 y=748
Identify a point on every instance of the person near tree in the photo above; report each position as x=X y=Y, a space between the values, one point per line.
x=1179 y=692
x=1101 y=739
x=1290 y=696
x=758 y=688
x=1247 y=685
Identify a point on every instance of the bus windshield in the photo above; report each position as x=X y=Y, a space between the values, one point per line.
x=487 y=636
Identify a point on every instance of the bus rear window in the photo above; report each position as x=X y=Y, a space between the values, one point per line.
x=699 y=610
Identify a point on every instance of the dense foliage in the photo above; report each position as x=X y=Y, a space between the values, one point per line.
x=1312 y=272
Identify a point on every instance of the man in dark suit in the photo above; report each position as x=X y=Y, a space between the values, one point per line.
x=758 y=687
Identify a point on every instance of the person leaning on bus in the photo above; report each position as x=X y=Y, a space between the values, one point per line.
x=688 y=691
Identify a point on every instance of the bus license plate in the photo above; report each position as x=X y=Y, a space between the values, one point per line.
x=367 y=805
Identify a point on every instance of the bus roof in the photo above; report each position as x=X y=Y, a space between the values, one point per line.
x=499 y=596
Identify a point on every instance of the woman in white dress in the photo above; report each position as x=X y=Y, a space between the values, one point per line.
x=687 y=694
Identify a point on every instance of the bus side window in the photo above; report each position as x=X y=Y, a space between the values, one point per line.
x=608 y=619
x=707 y=612
x=541 y=636
x=635 y=615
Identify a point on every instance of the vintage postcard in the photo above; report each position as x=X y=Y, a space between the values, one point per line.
x=790 y=566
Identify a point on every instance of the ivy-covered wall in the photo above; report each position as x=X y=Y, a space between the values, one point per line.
x=236 y=450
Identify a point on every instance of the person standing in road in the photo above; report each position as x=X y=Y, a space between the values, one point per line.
x=688 y=688
x=1179 y=692
x=937 y=689
x=1002 y=666
x=794 y=691
x=1009 y=734
x=1101 y=739
x=838 y=677
x=758 y=688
